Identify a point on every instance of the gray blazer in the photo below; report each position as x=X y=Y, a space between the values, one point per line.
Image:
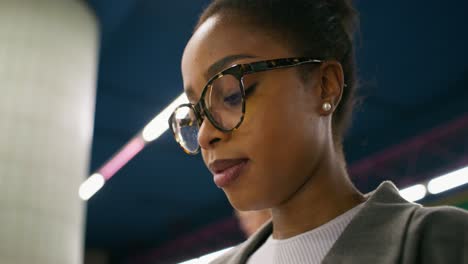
x=388 y=229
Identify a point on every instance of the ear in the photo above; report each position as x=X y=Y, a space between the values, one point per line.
x=331 y=86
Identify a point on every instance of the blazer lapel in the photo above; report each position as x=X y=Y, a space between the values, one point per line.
x=376 y=233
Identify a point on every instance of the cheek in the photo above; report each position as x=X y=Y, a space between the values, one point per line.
x=276 y=120
x=281 y=142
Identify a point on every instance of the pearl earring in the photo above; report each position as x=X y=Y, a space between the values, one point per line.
x=326 y=106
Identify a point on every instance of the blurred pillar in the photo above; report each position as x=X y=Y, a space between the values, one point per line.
x=48 y=55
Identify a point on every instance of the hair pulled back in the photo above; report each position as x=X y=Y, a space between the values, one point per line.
x=315 y=28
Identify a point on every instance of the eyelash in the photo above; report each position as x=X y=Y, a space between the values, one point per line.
x=249 y=90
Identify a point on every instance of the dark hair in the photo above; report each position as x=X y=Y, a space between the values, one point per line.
x=313 y=28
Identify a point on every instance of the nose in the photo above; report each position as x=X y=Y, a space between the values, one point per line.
x=209 y=136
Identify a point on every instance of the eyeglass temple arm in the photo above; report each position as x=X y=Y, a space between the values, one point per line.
x=275 y=64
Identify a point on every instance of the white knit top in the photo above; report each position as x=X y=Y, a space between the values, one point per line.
x=309 y=247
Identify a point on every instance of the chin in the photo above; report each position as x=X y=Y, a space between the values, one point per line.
x=247 y=200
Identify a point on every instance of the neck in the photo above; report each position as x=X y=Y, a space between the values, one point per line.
x=327 y=194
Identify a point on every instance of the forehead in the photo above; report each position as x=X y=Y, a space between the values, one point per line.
x=218 y=38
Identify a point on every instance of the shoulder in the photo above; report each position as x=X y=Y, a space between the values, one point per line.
x=440 y=234
x=440 y=216
x=439 y=224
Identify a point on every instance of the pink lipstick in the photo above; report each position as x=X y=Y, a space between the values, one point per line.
x=227 y=170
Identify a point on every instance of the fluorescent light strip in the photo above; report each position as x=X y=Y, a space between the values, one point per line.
x=160 y=124
x=122 y=157
x=437 y=185
x=448 y=181
x=93 y=184
x=414 y=193
x=151 y=132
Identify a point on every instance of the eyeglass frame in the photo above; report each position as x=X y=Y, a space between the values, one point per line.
x=238 y=71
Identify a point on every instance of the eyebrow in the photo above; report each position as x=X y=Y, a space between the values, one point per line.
x=224 y=63
x=215 y=68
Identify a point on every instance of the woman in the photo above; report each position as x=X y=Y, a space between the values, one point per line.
x=271 y=85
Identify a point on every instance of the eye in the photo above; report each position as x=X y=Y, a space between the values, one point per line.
x=234 y=99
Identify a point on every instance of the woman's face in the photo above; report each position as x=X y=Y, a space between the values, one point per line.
x=283 y=137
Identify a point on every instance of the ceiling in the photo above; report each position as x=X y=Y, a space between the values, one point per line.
x=413 y=68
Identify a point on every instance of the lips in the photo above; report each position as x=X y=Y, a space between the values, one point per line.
x=227 y=170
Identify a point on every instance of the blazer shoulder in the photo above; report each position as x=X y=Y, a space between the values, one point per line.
x=438 y=235
x=440 y=216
